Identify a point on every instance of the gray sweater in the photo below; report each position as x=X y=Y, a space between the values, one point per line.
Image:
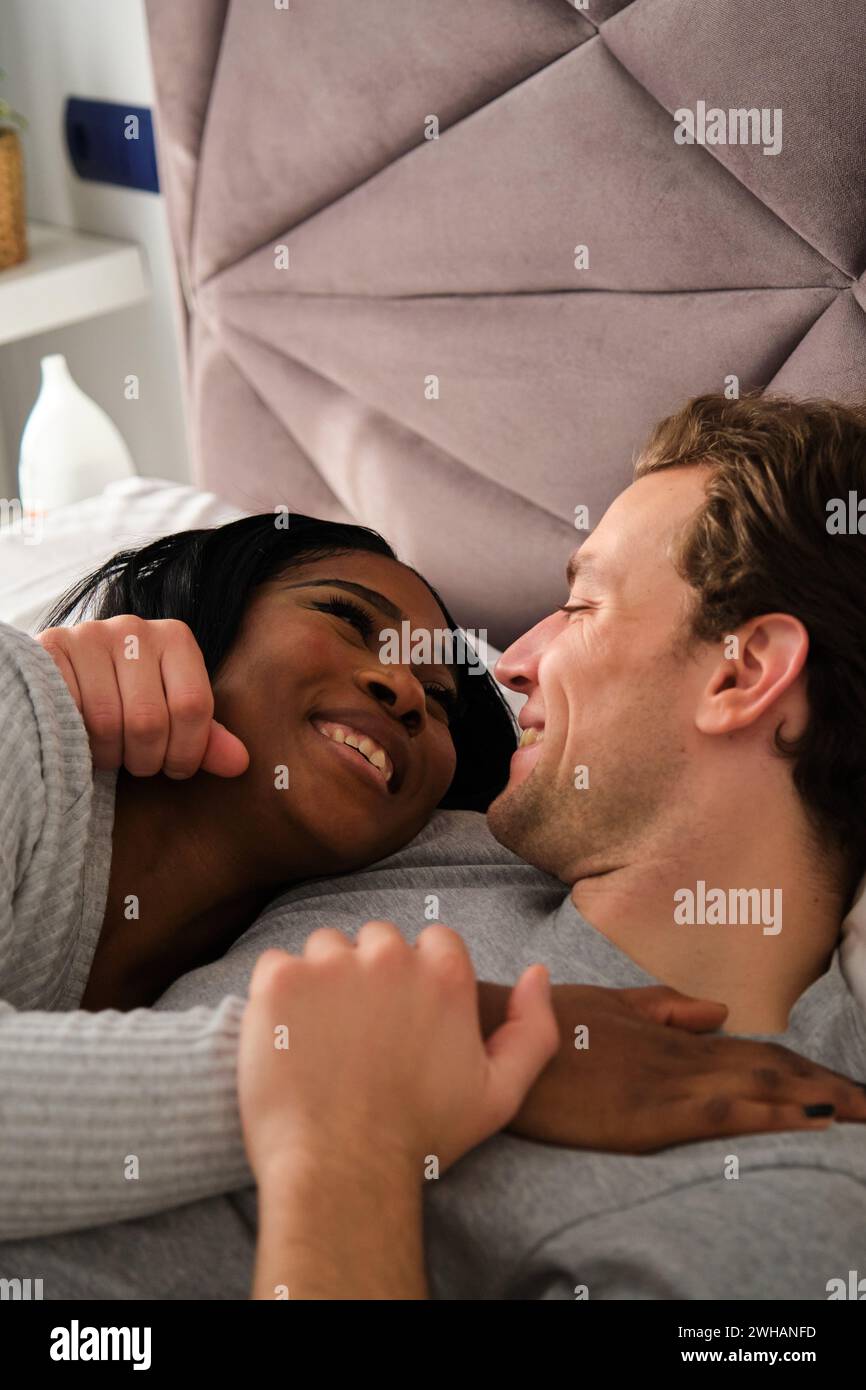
x=83 y=1095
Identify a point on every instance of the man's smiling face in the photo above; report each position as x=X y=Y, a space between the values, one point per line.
x=610 y=686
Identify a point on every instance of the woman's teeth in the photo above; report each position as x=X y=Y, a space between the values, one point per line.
x=530 y=736
x=343 y=733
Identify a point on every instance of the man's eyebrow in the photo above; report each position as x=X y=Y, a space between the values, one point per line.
x=360 y=590
x=585 y=565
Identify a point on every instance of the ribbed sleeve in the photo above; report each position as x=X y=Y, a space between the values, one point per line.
x=103 y=1116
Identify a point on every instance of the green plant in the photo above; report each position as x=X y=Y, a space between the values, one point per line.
x=8 y=114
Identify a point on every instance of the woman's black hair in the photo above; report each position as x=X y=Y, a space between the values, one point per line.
x=205 y=578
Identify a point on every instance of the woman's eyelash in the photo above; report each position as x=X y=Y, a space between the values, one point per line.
x=445 y=697
x=345 y=608
x=574 y=608
x=351 y=612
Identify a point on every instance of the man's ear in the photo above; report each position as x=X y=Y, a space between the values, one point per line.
x=758 y=664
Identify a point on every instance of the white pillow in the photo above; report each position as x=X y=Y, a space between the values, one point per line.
x=75 y=539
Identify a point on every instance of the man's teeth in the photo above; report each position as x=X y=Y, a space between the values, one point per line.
x=343 y=733
x=530 y=736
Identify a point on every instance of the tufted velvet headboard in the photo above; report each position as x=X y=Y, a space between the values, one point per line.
x=402 y=330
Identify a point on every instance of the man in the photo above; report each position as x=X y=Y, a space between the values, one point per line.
x=699 y=697
x=683 y=730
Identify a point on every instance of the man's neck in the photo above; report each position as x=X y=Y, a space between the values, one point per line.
x=754 y=951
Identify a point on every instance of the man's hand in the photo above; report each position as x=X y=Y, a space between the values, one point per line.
x=359 y=1063
x=647 y=1079
x=143 y=692
x=384 y=1049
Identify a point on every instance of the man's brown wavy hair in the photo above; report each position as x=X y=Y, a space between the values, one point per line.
x=760 y=544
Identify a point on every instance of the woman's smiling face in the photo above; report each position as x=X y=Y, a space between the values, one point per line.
x=303 y=682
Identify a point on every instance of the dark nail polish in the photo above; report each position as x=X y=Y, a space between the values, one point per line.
x=818 y=1112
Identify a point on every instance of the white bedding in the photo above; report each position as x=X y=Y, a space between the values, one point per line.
x=77 y=538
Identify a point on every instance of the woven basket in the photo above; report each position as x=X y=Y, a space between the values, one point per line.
x=13 y=227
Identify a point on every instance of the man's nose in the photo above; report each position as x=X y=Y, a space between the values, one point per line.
x=518 y=666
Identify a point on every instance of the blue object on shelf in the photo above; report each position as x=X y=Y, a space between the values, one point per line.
x=111 y=143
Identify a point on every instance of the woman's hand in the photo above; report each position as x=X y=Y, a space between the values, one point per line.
x=145 y=697
x=369 y=1052
x=633 y=1074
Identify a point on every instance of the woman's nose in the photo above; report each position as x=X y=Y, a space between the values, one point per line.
x=400 y=693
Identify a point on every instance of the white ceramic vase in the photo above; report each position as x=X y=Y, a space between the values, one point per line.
x=70 y=448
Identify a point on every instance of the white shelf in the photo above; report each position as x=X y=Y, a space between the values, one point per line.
x=68 y=276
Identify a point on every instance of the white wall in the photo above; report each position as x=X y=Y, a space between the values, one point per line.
x=49 y=50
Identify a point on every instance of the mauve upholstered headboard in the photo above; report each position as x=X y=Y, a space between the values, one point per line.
x=411 y=258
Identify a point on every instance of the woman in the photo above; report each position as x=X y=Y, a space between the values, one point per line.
x=113 y=887
x=287 y=624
